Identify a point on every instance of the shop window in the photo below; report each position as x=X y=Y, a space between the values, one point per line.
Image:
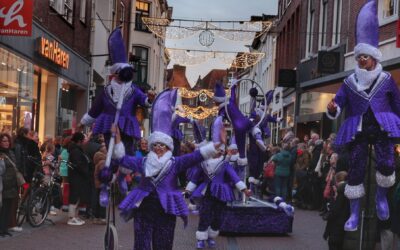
x=313 y=102
x=142 y=10
x=337 y=21
x=64 y=8
x=141 y=64
x=17 y=93
x=388 y=11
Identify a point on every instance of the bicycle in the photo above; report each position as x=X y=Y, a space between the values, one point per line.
x=41 y=199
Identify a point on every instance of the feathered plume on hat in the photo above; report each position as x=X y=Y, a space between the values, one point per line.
x=367 y=31
x=117 y=51
x=219 y=93
x=161 y=113
x=233 y=144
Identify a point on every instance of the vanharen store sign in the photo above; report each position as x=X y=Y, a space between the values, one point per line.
x=16 y=17
x=51 y=50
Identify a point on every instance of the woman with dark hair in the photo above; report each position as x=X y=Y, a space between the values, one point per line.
x=10 y=186
x=78 y=178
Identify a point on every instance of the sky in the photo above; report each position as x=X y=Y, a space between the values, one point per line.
x=232 y=10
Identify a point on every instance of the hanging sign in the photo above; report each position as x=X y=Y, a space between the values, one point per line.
x=16 y=17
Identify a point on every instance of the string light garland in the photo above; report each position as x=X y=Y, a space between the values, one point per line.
x=230 y=30
x=186 y=93
x=193 y=57
x=198 y=113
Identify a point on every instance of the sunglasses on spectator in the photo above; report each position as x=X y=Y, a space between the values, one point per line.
x=363 y=57
x=159 y=145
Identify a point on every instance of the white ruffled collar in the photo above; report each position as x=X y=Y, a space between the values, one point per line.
x=211 y=165
x=117 y=88
x=366 y=78
x=153 y=165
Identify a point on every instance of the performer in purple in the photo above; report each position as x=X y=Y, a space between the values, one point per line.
x=372 y=102
x=156 y=202
x=231 y=157
x=212 y=182
x=104 y=107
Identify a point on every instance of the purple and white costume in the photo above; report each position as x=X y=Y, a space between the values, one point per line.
x=372 y=103
x=157 y=200
x=104 y=108
x=212 y=182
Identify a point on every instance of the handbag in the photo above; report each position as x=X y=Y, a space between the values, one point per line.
x=20 y=178
x=269 y=169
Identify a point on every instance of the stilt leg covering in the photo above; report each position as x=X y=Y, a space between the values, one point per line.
x=385 y=181
x=352 y=223
x=354 y=192
x=201 y=235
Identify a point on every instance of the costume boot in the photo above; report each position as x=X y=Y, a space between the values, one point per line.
x=382 y=208
x=211 y=243
x=200 y=244
x=352 y=223
x=212 y=234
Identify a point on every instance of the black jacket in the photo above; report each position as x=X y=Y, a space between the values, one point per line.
x=10 y=187
x=78 y=176
x=28 y=157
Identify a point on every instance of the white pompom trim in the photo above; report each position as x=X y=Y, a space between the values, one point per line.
x=240 y=185
x=208 y=151
x=119 y=151
x=385 y=181
x=364 y=48
x=242 y=161
x=354 y=192
x=338 y=111
x=201 y=235
x=161 y=137
x=87 y=120
x=212 y=234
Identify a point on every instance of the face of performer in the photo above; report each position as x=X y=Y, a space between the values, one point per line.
x=232 y=151
x=366 y=62
x=159 y=148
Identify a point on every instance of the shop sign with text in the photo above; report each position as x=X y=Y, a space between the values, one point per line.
x=52 y=51
x=16 y=17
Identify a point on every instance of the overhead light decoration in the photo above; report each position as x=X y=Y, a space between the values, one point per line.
x=186 y=93
x=184 y=28
x=198 y=113
x=234 y=59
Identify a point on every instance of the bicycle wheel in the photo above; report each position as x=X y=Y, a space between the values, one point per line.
x=38 y=207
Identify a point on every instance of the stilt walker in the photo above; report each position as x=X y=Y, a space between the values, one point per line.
x=157 y=200
x=372 y=102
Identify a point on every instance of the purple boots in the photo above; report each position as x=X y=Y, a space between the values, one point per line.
x=382 y=208
x=352 y=223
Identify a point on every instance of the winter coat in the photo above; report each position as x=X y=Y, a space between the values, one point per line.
x=339 y=213
x=10 y=186
x=25 y=148
x=2 y=171
x=315 y=154
x=283 y=162
x=78 y=176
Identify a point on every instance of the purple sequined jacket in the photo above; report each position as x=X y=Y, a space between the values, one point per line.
x=165 y=184
x=104 y=109
x=384 y=100
x=219 y=182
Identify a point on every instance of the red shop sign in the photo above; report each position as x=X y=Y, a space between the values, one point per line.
x=16 y=17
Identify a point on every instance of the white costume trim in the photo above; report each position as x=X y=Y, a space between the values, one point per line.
x=240 y=185
x=364 y=48
x=212 y=234
x=385 y=181
x=190 y=186
x=201 y=235
x=208 y=151
x=119 y=151
x=338 y=111
x=354 y=192
x=242 y=161
x=160 y=137
x=87 y=120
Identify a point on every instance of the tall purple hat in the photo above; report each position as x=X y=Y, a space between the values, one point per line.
x=161 y=123
x=367 y=31
x=117 y=51
x=219 y=93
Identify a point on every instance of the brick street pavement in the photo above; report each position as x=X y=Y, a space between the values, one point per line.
x=307 y=234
